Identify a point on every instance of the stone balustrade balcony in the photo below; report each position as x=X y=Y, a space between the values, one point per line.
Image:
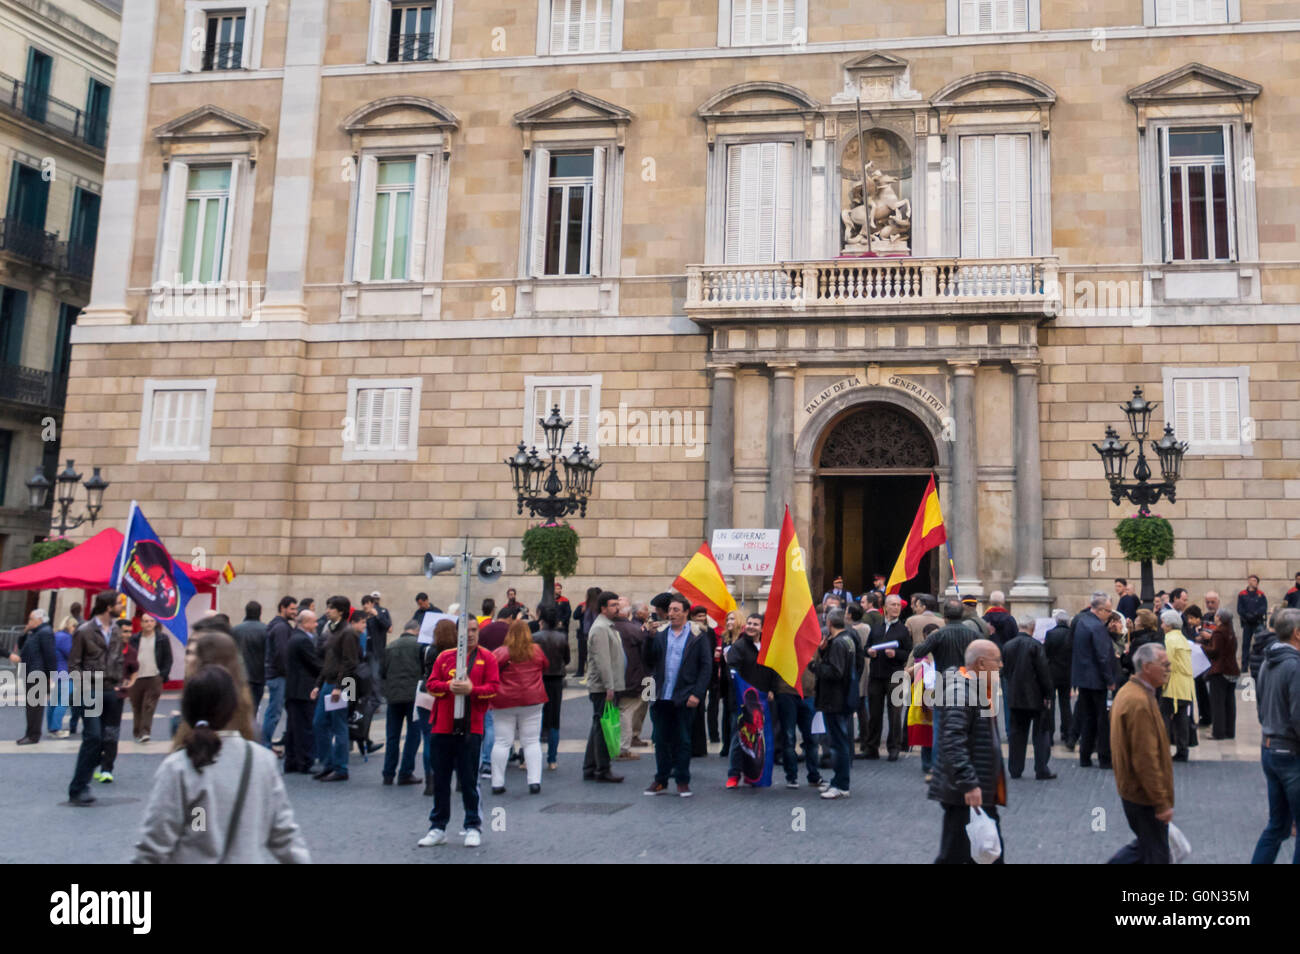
x=884 y=287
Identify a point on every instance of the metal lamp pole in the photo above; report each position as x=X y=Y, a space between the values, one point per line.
x=38 y=487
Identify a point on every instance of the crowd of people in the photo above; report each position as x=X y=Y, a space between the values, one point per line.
x=1115 y=680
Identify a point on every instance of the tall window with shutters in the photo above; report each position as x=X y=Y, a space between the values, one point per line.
x=1190 y=12
x=762 y=22
x=1197 y=194
x=578 y=399
x=760 y=203
x=1209 y=408
x=581 y=26
x=996 y=217
x=568 y=212
x=382 y=419
x=205 y=233
x=392 y=222
x=176 y=420
x=993 y=16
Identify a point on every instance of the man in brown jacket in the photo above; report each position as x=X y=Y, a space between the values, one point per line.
x=1144 y=772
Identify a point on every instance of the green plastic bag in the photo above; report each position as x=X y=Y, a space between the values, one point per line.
x=613 y=733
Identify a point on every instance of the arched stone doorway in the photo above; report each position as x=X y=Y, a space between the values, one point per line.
x=870 y=468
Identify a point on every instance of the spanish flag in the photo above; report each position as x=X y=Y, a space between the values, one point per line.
x=927 y=533
x=702 y=582
x=228 y=572
x=790 y=631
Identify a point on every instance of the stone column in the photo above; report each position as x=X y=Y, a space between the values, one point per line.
x=1030 y=592
x=780 y=444
x=127 y=132
x=963 y=516
x=722 y=449
x=286 y=259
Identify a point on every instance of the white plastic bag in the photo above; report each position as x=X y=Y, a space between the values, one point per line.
x=982 y=832
x=1179 y=848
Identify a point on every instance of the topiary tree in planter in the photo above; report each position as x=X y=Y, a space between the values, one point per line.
x=550 y=550
x=47 y=549
x=1146 y=539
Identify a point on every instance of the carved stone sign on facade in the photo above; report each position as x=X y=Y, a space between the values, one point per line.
x=911 y=387
x=839 y=387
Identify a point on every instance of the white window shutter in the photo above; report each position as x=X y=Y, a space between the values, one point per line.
x=404 y=428
x=537 y=238
x=559 y=24
x=380 y=21
x=227 y=239
x=193 y=418
x=420 y=215
x=178 y=181
x=970 y=190
x=387 y=418
x=250 y=37
x=192 y=59
x=782 y=250
x=361 y=246
x=1022 y=228
x=735 y=208
x=597 y=247
x=988 y=197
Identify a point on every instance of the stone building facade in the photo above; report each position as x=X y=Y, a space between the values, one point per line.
x=437 y=218
x=54 y=112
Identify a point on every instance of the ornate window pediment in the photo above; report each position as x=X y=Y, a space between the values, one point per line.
x=1194 y=87
x=771 y=107
x=573 y=114
x=212 y=127
x=994 y=96
x=874 y=78
x=400 y=118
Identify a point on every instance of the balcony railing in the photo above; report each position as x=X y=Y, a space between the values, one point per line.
x=223 y=56
x=77 y=259
x=29 y=241
x=32 y=386
x=410 y=46
x=39 y=106
x=869 y=281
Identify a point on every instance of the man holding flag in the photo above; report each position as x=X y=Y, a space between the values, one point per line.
x=751 y=754
x=682 y=663
x=146 y=573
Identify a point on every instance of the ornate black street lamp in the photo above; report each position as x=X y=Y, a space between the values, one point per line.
x=537 y=484
x=1141 y=491
x=38 y=488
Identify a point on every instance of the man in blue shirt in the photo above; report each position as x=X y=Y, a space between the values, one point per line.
x=681 y=661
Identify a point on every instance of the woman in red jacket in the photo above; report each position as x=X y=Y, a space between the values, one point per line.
x=457 y=743
x=517 y=708
x=1222 y=653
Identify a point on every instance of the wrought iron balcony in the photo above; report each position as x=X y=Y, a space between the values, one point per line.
x=223 y=56
x=77 y=259
x=22 y=99
x=29 y=242
x=32 y=386
x=410 y=46
x=893 y=286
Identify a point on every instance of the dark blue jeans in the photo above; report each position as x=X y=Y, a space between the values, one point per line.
x=795 y=713
x=92 y=743
x=274 y=707
x=330 y=730
x=1282 y=772
x=839 y=729
x=673 y=725
x=400 y=713
x=459 y=754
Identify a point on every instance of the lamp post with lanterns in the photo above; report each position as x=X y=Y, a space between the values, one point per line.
x=1142 y=491
x=539 y=487
x=65 y=487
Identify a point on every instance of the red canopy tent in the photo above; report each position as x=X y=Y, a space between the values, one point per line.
x=89 y=567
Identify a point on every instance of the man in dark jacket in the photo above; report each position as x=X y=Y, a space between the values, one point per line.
x=87 y=661
x=399 y=669
x=250 y=635
x=1259 y=648
x=631 y=707
x=1279 y=722
x=555 y=644
x=835 y=669
x=1252 y=610
x=1027 y=692
x=1092 y=671
x=1292 y=598
x=883 y=664
x=338 y=674
x=742 y=656
x=40 y=663
x=563 y=610
x=968 y=771
x=1001 y=623
x=378 y=625
x=1058 y=644
x=680 y=662
x=946 y=646
x=278 y=634
x=1128 y=604
x=302 y=667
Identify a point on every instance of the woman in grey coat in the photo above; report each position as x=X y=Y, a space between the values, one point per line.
x=220 y=799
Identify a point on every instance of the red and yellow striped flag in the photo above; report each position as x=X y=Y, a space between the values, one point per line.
x=228 y=572
x=702 y=582
x=927 y=533
x=790 y=631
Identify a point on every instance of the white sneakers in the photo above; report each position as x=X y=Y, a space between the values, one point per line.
x=472 y=838
x=823 y=786
x=833 y=792
x=434 y=836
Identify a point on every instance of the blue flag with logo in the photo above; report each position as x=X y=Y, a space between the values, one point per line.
x=754 y=736
x=147 y=574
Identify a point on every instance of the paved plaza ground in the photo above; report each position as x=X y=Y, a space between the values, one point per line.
x=1221 y=807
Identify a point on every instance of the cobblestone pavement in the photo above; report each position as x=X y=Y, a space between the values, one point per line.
x=1221 y=807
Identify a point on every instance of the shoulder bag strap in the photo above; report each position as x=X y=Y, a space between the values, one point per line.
x=239 y=800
